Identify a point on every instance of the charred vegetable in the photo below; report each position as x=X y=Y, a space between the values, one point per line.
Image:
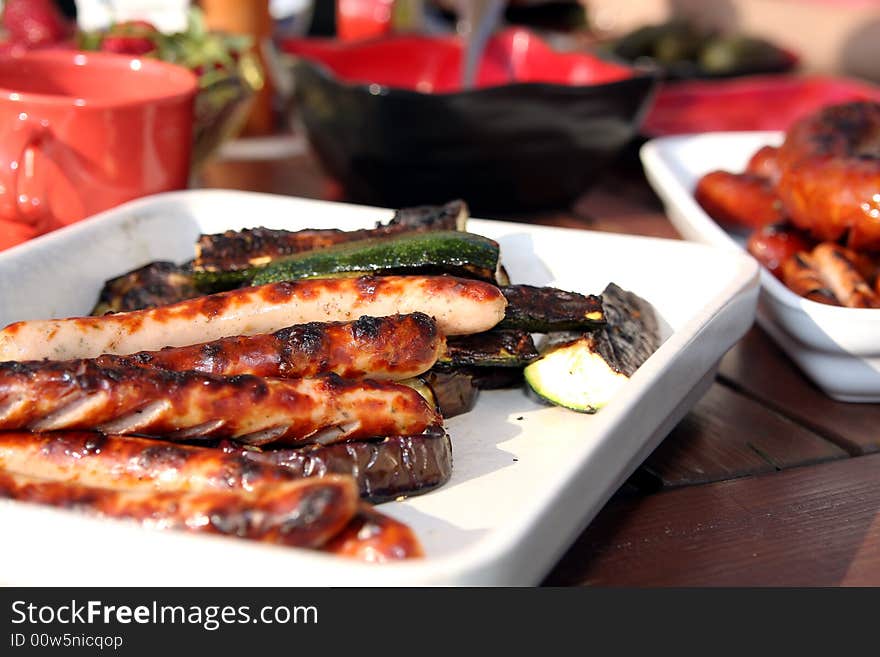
x=451 y=252
x=584 y=371
x=512 y=348
x=156 y=284
x=235 y=250
x=546 y=309
x=454 y=392
x=384 y=469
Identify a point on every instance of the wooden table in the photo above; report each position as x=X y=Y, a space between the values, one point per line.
x=765 y=482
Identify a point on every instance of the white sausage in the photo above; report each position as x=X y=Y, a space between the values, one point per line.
x=459 y=307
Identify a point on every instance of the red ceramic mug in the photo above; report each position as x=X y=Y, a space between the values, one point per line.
x=83 y=132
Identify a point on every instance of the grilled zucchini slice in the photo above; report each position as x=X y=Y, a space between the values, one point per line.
x=584 y=371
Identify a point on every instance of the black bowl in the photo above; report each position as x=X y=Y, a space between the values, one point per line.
x=504 y=146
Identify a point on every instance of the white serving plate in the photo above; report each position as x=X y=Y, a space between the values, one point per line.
x=527 y=478
x=838 y=348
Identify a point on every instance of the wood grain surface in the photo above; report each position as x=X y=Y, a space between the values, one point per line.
x=809 y=526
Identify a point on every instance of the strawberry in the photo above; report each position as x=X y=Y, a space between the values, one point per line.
x=127 y=45
x=130 y=38
x=35 y=22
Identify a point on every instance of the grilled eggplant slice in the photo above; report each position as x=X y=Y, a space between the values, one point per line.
x=583 y=371
x=512 y=348
x=447 y=252
x=454 y=392
x=236 y=250
x=384 y=469
x=547 y=309
x=156 y=284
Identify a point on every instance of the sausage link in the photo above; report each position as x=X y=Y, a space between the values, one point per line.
x=392 y=348
x=49 y=396
x=304 y=513
x=375 y=537
x=132 y=463
x=459 y=306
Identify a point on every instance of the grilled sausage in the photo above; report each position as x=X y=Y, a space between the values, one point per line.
x=393 y=348
x=459 y=306
x=742 y=201
x=830 y=174
x=376 y=538
x=304 y=513
x=49 y=396
x=765 y=164
x=128 y=462
x=773 y=245
x=385 y=469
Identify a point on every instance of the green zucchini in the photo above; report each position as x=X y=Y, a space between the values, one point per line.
x=547 y=309
x=453 y=252
x=584 y=371
x=241 y=249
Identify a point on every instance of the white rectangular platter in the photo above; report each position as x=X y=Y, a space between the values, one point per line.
x=836 y=347
x=527 y=478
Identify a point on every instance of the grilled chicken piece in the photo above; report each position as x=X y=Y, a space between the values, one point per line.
x=303 y=513
x=376 y=538
x=381 y=348
x=50 y=396
x=239 y=249
x=831 y=274
x=839 y=269
x=459 y=306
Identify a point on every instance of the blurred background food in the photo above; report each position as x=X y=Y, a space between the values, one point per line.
x=722 y=64
x=681 y=50
x=229 y=73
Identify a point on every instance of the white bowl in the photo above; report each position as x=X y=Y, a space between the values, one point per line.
x=527 y=478
x=838 y=348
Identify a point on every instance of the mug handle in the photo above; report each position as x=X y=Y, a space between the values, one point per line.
x=28 y=135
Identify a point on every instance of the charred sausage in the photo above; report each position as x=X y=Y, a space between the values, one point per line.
x=384 y=469
x=376 y=538
x=830 y=174
x=742 y=201
x=304 y=513
x=49 y=396
x=392 y=348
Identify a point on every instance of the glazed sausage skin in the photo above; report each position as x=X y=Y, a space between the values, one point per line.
x=773 y=245
x=736 y=200
x=830 y=174
x=375 y=538
x=459 y=306
x=50 y=396
x=131 y=463
x=384 y=469
x=305 y=513
x=383 y=348
x=765 y=164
